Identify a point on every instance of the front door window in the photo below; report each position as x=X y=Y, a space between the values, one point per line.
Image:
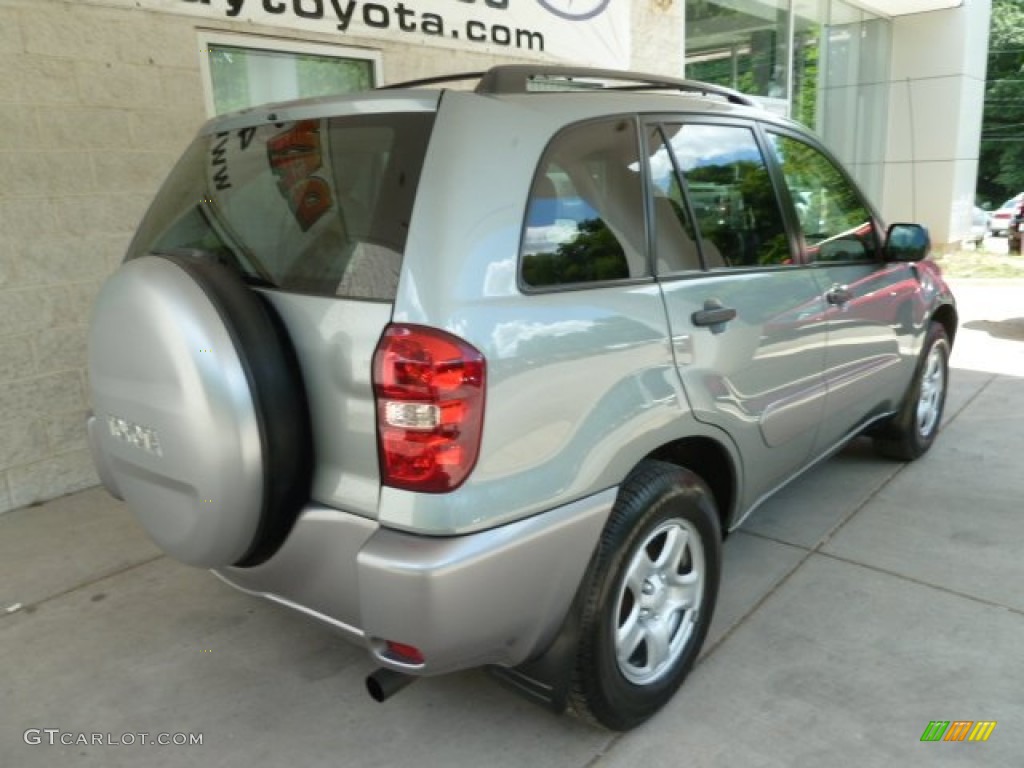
x=835 y=222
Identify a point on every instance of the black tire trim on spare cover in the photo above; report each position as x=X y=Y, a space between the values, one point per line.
x=274 y=377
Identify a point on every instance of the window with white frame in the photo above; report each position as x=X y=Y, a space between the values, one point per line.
x=242 y=71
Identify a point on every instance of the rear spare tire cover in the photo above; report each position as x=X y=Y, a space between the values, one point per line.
x=201 y=414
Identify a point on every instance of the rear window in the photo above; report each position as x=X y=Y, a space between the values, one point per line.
x=315 y=206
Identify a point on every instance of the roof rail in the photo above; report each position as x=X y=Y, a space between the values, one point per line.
x=516 y=78
x=455 y=78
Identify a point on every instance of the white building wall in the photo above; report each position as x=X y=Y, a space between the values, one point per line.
x=936 y=98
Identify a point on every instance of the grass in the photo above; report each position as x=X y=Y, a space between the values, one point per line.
x=989 y=260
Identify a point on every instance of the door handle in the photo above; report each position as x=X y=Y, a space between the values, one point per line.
x=714 y=315
x=839 y=295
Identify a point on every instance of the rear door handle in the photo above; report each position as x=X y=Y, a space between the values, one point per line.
x=839 y=295
x=714 y=315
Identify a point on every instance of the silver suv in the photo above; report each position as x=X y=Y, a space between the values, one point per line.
x=482 y=378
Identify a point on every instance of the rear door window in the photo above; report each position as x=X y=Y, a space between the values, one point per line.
x=317 y=206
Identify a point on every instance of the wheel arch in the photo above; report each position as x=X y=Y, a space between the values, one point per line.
x=547 y=678
x=946 y=316
x=711 y=461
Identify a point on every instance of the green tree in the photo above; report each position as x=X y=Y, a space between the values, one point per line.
x=1001 y=167
x=592 y=254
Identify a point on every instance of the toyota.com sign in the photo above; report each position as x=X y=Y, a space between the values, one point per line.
x=593 y=32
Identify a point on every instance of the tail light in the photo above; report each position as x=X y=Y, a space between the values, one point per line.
x=429 y=387
x=404 y=653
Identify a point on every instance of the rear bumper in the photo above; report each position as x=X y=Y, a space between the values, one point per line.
x=496 y=597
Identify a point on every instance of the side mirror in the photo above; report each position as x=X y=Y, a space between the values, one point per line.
x=907 y=242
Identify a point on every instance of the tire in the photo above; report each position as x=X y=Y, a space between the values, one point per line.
x=649 y=594
x=201 y=419
x=912 y=430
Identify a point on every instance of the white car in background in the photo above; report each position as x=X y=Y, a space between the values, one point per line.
x=1002 y=219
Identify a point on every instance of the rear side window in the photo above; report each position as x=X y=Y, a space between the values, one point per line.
x=315 y=206
x=585 y=221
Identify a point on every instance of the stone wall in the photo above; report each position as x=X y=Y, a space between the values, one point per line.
x=659 y=37
x=94 y=107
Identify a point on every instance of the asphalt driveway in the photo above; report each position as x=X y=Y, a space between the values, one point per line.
x=864 y=601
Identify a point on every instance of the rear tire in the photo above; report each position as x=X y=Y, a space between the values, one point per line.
x=649 y=595
x=912 y=430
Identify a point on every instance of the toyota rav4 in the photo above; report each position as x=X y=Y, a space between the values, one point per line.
x=482 y=378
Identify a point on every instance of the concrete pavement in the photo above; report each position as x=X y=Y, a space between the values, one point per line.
x=863 y=601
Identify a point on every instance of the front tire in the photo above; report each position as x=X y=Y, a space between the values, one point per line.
x=912 y=431
x=649 y=594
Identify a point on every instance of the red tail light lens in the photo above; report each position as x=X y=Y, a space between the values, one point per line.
x=404 y=653
x=430 y=408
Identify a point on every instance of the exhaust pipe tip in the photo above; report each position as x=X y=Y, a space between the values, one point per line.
x=385 y=683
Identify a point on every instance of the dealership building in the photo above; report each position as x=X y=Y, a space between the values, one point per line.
x=101 y=96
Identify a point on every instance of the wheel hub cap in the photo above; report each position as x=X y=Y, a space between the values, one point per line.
x=933 y=384
x=659 y=601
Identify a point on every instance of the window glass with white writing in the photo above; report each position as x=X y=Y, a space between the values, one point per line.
x=316 y=206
